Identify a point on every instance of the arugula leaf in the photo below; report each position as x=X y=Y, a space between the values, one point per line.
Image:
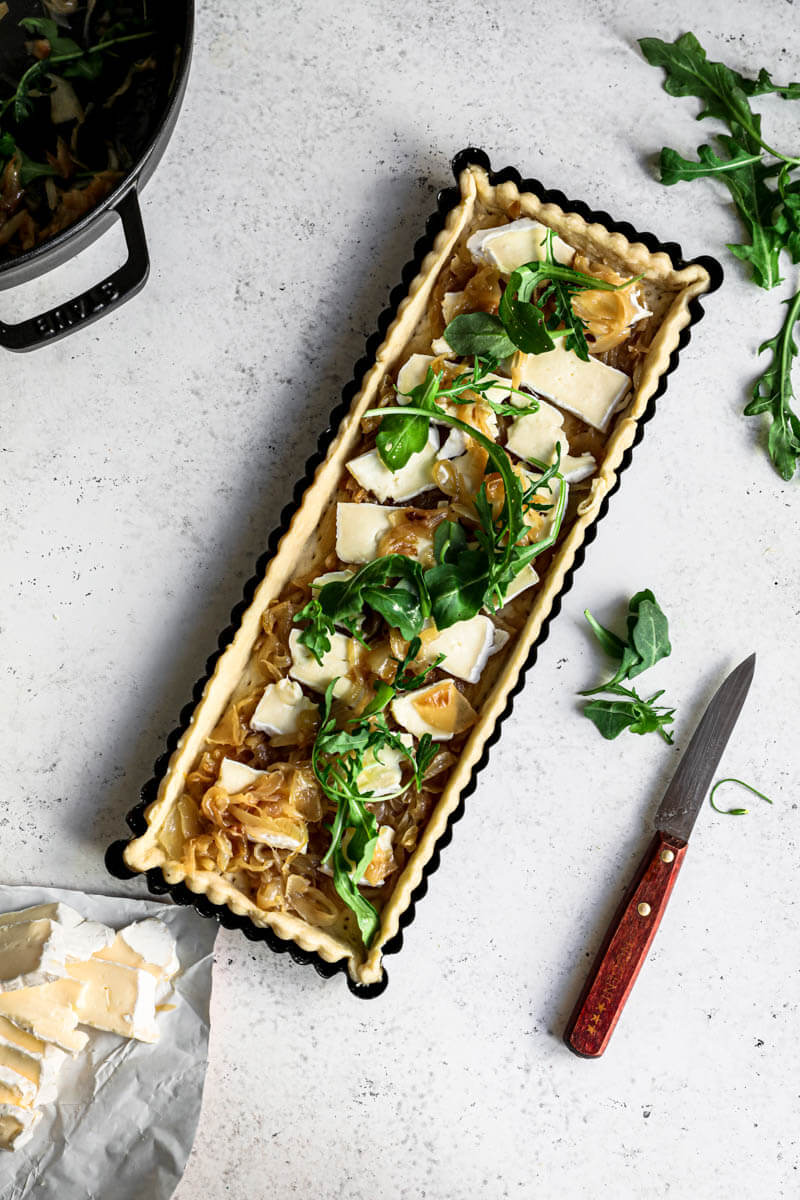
x=613 y=646
x=523 y=321
x=766 y=197
x=521 y=316
x=480 y=334
x=773 y=393
x=638 y=715
x=690 y=73
x=458 y=589
x=756 y=204
x=405 y=431
x=648 y=631
x=405 y=679
x=647 y=643
x=763 y=84
x=399 y=437
x=676 y=169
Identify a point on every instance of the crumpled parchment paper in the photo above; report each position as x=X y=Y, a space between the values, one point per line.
x=125 y=1117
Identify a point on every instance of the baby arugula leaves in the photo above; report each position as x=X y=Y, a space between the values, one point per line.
x=342 y=602
x=337 y=758
x=766 y=195
x=521 y=322
x=647 y=643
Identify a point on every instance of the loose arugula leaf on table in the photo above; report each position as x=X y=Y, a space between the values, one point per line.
x=612 y=717
x=646 y=644
x=773 y=394
x=766 y=195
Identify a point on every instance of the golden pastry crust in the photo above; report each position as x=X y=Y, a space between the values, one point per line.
x=309 y=538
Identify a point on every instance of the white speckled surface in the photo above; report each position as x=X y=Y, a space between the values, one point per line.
x=146 y=459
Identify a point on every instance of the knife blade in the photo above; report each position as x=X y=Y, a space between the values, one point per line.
x=633 y=927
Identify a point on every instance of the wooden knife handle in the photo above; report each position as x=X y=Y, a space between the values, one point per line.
x=624 y=948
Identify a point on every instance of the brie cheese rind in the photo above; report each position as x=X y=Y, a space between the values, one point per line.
x=314 y=532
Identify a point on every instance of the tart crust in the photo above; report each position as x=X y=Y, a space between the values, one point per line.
x=308 y=535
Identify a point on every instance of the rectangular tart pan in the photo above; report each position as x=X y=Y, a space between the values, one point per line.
x=369 y=978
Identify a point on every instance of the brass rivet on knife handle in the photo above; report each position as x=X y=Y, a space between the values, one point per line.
x=643 y=909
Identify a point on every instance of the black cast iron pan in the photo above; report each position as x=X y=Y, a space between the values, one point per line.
x=176 y=19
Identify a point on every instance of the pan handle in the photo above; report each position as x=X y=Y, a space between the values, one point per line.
x=98 y=300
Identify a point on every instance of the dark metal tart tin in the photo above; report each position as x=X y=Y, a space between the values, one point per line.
x=447 y=199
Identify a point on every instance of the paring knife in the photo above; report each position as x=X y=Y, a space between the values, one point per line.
x=634 y=925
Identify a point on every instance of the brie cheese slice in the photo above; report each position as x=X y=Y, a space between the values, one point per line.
x=371 y=472
x=438 y=709
x=15 y=1088
x=31 y=953
x=117 y=998
x=591 y=390
x=17 y=1125
x=149 y=946
x=507 y=247
x=535 y=437
x=48 y=1012
x=382 y=776
x=234 y=776
x=60 y=913
x=281 y=709
x=344 y=651
x=359 y=529
x=39 y=1068
x=466 y=647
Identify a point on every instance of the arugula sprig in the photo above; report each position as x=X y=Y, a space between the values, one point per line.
x=765 y=189
x=337 y=758
x=521 y=322
x=646 y=644
x=342 y=602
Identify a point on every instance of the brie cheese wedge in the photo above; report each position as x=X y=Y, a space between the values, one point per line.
x=438 y=709
x=48 y=1012
x=382 y=776
x=336 y=664
x=117 y=998
x=507 y=247
x=591 y=390
x=371 y=472
x=281 y=709
x=466 y=647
